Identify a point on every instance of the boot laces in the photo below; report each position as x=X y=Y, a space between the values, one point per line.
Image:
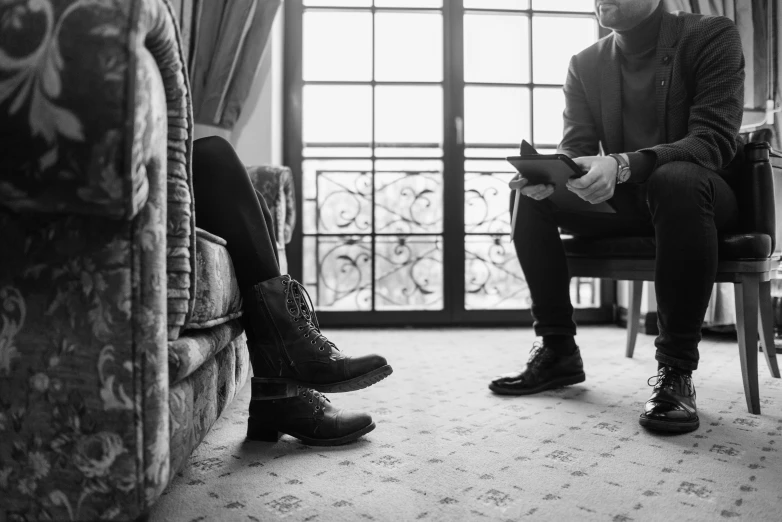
x=303 y=308
x=313 y=397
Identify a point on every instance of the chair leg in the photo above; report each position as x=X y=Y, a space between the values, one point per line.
x=766 y=318
x=633 y=315
x=747 y=293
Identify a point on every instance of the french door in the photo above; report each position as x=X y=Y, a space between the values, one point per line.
x=398 y=117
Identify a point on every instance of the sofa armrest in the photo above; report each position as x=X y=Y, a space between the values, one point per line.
x=66 y=107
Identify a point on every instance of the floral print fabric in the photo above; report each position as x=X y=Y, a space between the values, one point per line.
x=218 y=299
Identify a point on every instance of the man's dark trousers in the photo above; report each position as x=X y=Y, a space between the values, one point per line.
x=682 y=205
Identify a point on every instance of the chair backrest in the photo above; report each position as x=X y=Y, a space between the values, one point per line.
x=755 y=191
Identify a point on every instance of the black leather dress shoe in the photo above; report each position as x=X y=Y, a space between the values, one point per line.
x=671 y=407
x=545 y=370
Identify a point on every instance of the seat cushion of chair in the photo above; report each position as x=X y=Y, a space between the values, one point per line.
x=218 y=299
x=731 y=246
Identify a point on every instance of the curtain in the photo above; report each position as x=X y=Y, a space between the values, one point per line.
x=229 y=38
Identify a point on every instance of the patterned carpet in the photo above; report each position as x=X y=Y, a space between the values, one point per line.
x=445 y=448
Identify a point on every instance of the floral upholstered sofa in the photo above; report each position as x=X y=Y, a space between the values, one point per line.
x=120 y=338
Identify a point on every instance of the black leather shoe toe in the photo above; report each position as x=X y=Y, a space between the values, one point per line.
x=671 y=408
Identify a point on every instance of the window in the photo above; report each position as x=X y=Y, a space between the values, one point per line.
x=398 y=122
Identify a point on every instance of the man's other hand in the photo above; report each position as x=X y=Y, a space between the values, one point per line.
x=598 y=184
x=533 y=191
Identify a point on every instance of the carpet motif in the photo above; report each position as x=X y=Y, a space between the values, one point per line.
x=446 y=448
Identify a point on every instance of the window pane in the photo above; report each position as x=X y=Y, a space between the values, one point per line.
x=409 y=47
x=409 y=3
x=496 y=48
x=548 y=105
x=408 y=202
x=337 y=114
x=564 y=5
x=486 y=203
x=492 y=274
x=337 y=46
x=338 y=3
x=585 y=292
x=344 y=202
x=338 y=272
x=311 y=171
x=552 y=52
x=496 y=4
x=496 y=114
x=408 y=273
x=409 y=114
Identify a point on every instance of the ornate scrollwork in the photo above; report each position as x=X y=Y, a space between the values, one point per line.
x=493 y=278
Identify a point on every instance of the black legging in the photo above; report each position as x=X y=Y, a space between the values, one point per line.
x=227 y=205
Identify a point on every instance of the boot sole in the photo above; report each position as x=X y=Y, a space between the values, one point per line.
x=281 y=387
x=264 y=433
x=669 y=427
x=555 y=383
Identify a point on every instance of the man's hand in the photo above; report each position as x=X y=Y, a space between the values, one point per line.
x=598 y=184
x=533 y=191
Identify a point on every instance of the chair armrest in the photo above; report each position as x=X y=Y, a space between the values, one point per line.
x=755 y=192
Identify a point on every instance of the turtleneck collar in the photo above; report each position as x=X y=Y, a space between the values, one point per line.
x=643 y=36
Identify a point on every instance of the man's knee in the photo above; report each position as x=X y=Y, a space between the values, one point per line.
x=677 y=183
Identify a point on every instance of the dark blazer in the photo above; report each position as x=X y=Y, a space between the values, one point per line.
x=699 y=94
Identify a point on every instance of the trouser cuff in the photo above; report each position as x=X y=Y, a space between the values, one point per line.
x=675 y=362
x=540 y=331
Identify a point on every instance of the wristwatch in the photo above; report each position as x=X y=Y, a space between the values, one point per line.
x=622 y=168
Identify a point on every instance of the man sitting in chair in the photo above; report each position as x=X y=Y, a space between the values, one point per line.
x=663 y=96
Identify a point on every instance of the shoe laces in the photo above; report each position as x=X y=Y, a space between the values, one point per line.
x=539 y=355
x=313 y=397
x=303 y=309
x=667 y=377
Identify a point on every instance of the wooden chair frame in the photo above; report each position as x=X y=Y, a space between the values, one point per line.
x=752 y=287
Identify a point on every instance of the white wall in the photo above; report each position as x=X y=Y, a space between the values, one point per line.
x=257 y=135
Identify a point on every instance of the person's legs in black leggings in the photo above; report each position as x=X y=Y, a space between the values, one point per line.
x=277 y=327
x=227 y=205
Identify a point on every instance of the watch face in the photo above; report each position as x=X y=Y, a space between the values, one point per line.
x=624 y=174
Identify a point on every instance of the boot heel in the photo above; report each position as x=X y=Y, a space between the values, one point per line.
x=260 y=431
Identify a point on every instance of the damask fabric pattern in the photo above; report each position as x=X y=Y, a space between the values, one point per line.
x=218 y=299
x=447 y=449
x=62 y=155
x=83 y=375
x=275 y=183
x=198 y=401
x=59 y=154
x=193 y=348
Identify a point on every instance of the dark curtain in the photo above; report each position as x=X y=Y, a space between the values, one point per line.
x=228 y=42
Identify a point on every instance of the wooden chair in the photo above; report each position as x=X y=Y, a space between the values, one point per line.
x=746 y=260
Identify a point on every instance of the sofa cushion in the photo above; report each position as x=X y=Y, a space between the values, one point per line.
x=194 y=347
x=218 y=299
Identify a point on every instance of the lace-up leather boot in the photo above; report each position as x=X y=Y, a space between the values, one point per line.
x=672 y=406
x=288 y=349
x=307 y=416
x=545 y=370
